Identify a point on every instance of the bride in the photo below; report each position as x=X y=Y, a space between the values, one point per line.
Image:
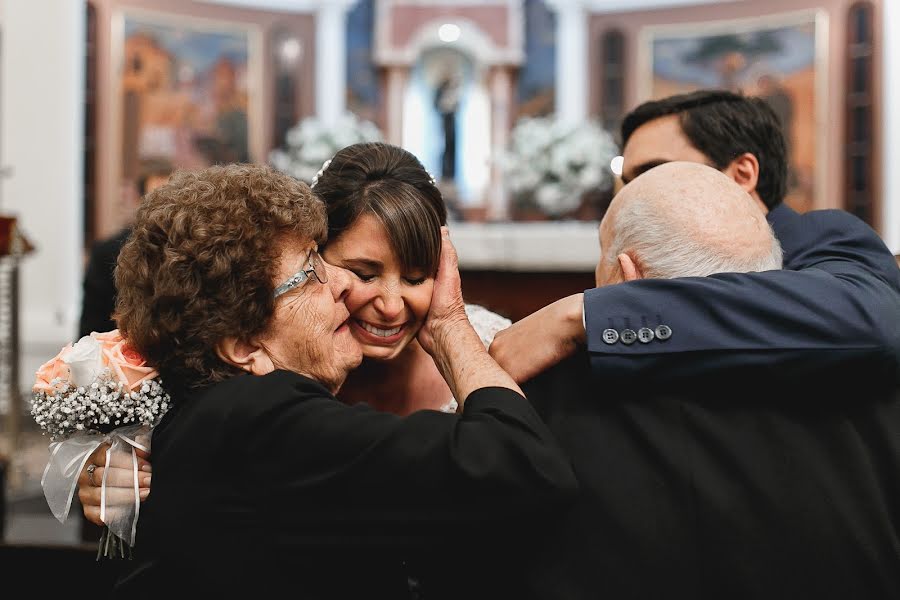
x=384 y=220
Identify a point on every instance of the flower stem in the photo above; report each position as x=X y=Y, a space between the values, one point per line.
x=112 y=546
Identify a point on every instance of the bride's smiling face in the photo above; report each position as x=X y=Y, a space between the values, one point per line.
x=388 y=304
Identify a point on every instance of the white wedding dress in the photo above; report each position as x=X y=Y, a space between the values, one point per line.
x=486 y=324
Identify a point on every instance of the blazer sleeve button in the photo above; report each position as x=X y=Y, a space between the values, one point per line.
x=645 y=335
x=628 y=336
x=663 y=332
x=610 y=336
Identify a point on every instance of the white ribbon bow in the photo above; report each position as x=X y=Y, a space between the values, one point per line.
x=67 y=460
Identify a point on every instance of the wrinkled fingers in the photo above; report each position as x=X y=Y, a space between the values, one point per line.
x=90 y=498
x=122 y=459
x=115 y=498
x=115 y=477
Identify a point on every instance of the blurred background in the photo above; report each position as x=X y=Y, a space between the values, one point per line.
x=513 y=105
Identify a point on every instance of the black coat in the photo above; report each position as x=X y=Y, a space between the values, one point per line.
x=750 y=485
x=99 y=286
x=262 y=484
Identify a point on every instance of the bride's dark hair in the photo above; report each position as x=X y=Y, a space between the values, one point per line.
x=390 y=183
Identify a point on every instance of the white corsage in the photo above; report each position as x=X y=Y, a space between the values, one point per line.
x=99 y=390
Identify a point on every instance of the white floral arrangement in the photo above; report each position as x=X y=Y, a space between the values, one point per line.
x=311 y=142
x=97 y=391
x=549 y=165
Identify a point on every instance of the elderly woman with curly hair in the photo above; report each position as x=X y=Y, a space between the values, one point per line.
x=221 y=288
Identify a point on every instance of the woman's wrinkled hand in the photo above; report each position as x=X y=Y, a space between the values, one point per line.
x=119 y=480
x=447 y=306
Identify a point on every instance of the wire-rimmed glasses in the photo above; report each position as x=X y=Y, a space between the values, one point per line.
x=316 y=268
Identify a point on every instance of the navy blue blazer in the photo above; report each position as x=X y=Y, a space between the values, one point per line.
x=838 y=298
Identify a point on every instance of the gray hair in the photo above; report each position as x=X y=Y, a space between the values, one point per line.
x=665 y=250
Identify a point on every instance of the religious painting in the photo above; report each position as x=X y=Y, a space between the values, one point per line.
x=778 y=57
x=186 y=91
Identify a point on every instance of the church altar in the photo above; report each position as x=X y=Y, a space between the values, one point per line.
x=547 y=246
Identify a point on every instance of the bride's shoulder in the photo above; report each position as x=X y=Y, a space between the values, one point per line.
x=485 y=322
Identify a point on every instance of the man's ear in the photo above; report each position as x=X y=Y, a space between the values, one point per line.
x=745 y=171
x=248 y=356
x=629 y=266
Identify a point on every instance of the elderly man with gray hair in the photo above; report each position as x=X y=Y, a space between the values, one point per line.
x=684 y=220
x=743 y=482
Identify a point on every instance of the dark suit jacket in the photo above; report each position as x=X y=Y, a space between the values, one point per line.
x=262 y=484
x=723 y=487
x=99 y=286
x=838 y=297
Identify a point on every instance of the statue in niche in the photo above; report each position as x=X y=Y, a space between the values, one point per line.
x=446 y=101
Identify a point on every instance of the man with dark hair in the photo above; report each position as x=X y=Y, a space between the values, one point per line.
x=720 y=128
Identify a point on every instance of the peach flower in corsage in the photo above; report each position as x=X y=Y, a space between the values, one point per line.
x=82 y=363
x=97 y=385
x=55 y=368
x=107 y=336
x=129 y=367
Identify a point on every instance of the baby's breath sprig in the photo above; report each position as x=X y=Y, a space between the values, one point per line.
x=101 y=407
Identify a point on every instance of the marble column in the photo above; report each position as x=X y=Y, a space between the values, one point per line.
x=500 y=85
x=571 y=60
x=331 y=59
x=395 y=86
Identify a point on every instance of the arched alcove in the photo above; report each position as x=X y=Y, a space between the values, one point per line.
x=447 y=121
x=483 y=46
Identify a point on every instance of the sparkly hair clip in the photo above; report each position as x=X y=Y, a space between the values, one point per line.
x=431 y=179
x=315 y=178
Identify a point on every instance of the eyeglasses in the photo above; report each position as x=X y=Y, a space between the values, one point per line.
x=317 y=268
